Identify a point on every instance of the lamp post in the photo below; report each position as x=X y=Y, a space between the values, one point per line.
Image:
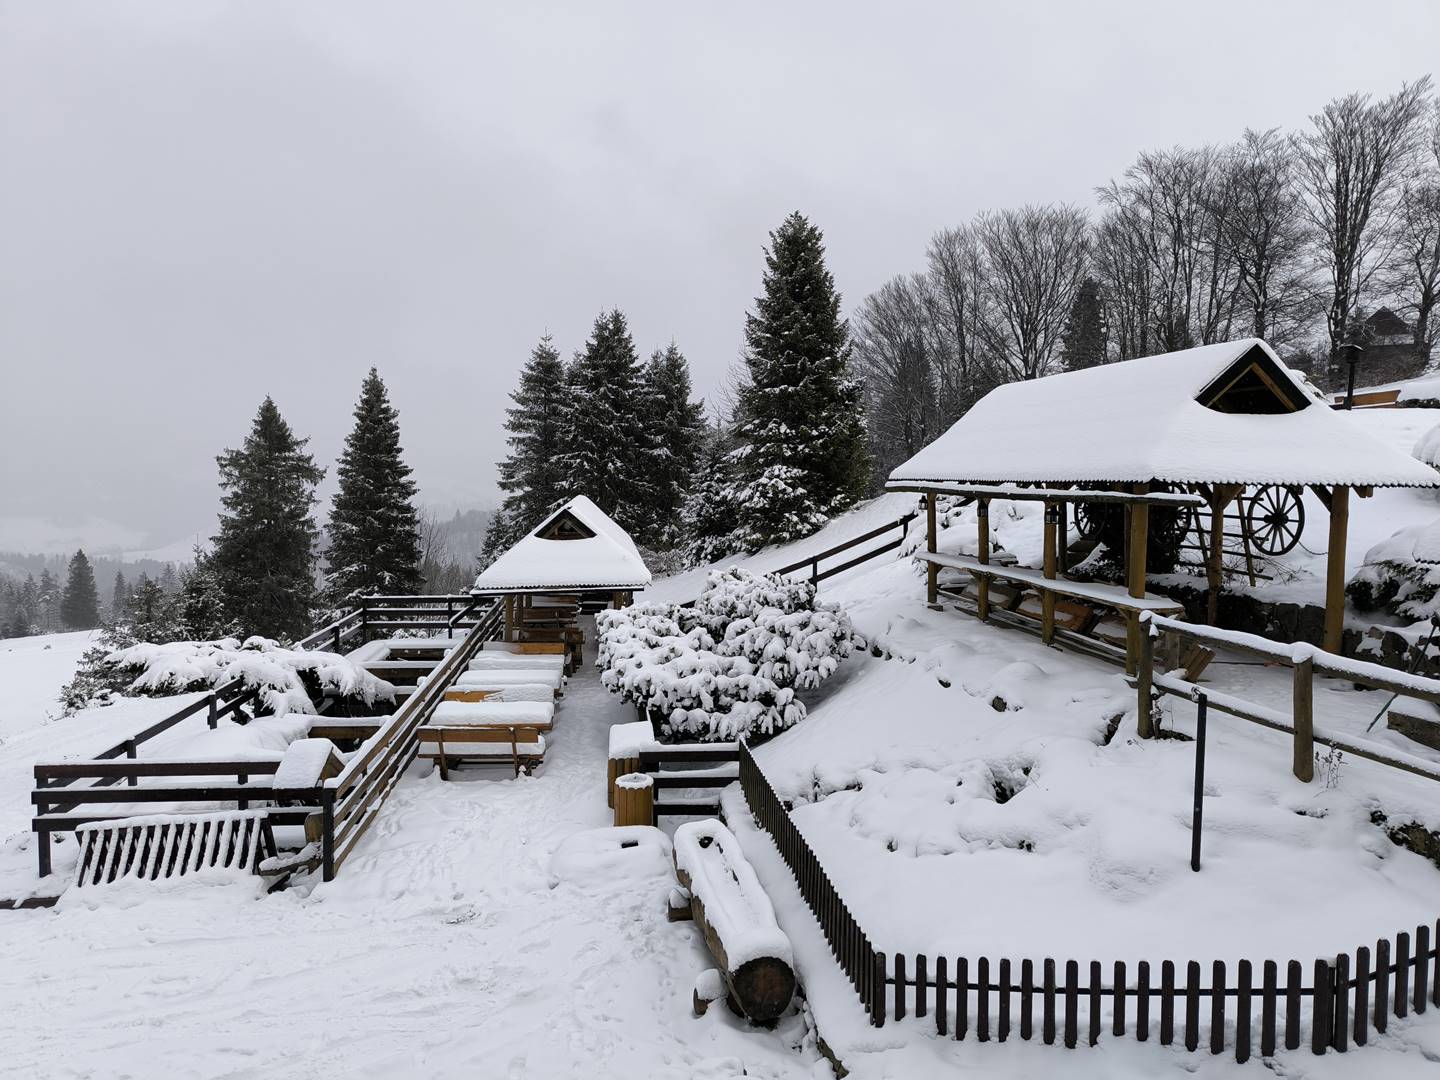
x=1352 y=354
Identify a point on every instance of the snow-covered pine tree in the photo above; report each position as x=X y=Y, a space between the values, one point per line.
x=80 y=606
x=169 y=580
x=608 y=455
x=119 y=593
x=374 y=529
x=48 y=599
x=710 y=509
x=676 y=427
x=532 y=475
x=29 y=611
x=199 y=605
x=801 y=454
x=264 y=554
x=1087 y=334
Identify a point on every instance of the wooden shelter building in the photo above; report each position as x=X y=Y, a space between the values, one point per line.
x=577 y=556
x=1196 y=430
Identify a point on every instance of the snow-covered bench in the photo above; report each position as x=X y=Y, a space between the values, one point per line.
x=536 y=714
x=519 y=745
x=500 y=678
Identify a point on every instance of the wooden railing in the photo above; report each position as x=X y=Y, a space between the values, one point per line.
x=812 y=562
x=1163 y=636
x=674 y=768
x=1342 y=1000
x=386 y=614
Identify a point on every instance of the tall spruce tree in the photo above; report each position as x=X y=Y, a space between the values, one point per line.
x=607 y=454
x=119 y=593
x=1087 y=334
x=711 y=509
x=264 y=554
x=374 y=529
x=80 y=606
x=532 y=474
x=199 y=606
x=49 y=598
x=802 y=451
x=676 y=427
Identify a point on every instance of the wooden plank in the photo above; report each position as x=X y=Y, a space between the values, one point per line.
x=1362 y=995
x=1167 y=1003
x=922 y=984
x=1292 y=1005
x=1048 y=1004
x=1094 y=1004
x=1422 y=967
x=1117 y=1027
x=962 y=997
x=1142 y=1001
x=1340 y=1017
x=1402 y=975
x=942 y=991
x=1027 y=995
x=1382 y=986
x=1217 y=1007
x=1268 y=996
x=1244 y=979
x=1002 y=1026
x=1320 y=1004
x=900 y=986
x=1192 y=1005
x=982 y=1000
x=1072 y=1003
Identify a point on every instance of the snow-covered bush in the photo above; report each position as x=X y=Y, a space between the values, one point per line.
x=1401 y=575
x=729 y=666
x=288 y=679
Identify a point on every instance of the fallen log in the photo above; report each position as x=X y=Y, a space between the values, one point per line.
x=734 y=915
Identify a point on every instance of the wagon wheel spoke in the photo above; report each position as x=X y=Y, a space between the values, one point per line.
x=1275 y=517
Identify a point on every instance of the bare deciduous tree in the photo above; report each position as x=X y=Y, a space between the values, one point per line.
x=894 y=337
x=1415 y=269
x=1034 y=259
x=957 y=279
x=1353 y=166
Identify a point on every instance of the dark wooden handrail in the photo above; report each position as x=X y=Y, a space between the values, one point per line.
x=902 y=523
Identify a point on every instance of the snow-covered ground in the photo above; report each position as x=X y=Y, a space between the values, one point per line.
x=453 y=944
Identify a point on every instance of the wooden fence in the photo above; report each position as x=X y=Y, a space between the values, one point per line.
x=386 y=614
x=1327 y=1003
x=812 y=562
x=673 y=769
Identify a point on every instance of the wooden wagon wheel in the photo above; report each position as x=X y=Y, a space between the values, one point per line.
x=1275 y=518
x=1086 y=523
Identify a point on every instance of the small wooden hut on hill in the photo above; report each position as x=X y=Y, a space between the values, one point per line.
x=578 y=555
x=1195 y=431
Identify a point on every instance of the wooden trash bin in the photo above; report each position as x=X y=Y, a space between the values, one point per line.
x=634 y=799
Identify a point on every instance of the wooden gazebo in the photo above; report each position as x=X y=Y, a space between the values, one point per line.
x=1196 y=430
x=578 y=554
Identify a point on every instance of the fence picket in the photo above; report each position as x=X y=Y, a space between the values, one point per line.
x=1217 y=1008
x=1072 y=1003
x=1192 y=1005
x=1422 y=967
x=1362 y=995
x=982 y=999
x=1167 y=1003
x=941 y=992
x=962 y=997
x=1142 y=1001
x=900 y=986
x=1002 y=1030
x=921 y=985
x=1320 y=1005
x=877 y=982
x=1340 y=1020
x=1027 y=991
x=1435 y=976
x=1244 y=978
x=1048 y=1007
x=1382 y=986
x=1292 y=1005
x=1402 y=975
x=1267 y=1009
x=1118 y=1019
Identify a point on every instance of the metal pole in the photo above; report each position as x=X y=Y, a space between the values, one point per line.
x=1201 y=701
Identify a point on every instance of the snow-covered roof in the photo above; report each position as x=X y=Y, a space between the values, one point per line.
x=1143 y=420
x=606 y=559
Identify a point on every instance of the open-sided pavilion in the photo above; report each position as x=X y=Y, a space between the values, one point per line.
x=1191 y=429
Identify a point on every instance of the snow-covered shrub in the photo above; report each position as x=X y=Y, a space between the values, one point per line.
x=1401 y=575
x=288 y=679
x=729 y=666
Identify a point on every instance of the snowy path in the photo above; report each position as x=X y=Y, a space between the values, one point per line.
x=443 y=949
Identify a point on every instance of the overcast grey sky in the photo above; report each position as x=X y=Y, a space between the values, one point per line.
x=202 y=203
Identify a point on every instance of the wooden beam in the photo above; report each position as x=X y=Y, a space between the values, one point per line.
x=1335 y=570
x=982 y=521
x=1220 y=498
x=1138 y=533
x=1064 y=509
x=1144 y=673
x=1303 y=763
x=932 y=571
x=1047 y=597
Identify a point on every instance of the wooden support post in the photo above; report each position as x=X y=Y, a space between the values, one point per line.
x=1214 y=558
x=1064 y=553
x=635 y=800
x=1144 y=675
x=982 y=521
x=509 y=634
x=1335 y=570
x=1138 y=533
x=1304 y=695
x=1047 y=596
x=932 y=572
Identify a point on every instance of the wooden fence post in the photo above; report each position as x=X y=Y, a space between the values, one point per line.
x=982 y=586
x=1304 y=695
x=1335 y=570
x=1139 y=533
x=1144 y=676
x=1047 y=596
x=932 y=572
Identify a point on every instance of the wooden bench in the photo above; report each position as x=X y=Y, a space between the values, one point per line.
x=521 y=746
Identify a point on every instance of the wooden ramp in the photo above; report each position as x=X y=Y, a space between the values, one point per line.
x=172 y=845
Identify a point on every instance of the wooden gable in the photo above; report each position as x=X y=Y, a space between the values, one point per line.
x=1254 y=383
x=565 y=526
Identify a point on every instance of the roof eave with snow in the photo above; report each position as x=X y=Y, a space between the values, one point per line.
x=608 y=561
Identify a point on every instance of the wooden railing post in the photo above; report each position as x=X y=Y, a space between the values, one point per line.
x=1144 y=674
x=1304 y=695
x=1138 y=533
x=364 y=620
x=982 y=586
x=1047 y=596
x=932 y=572
x=327 y=834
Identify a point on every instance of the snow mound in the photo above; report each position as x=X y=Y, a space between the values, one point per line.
x=616 y=856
